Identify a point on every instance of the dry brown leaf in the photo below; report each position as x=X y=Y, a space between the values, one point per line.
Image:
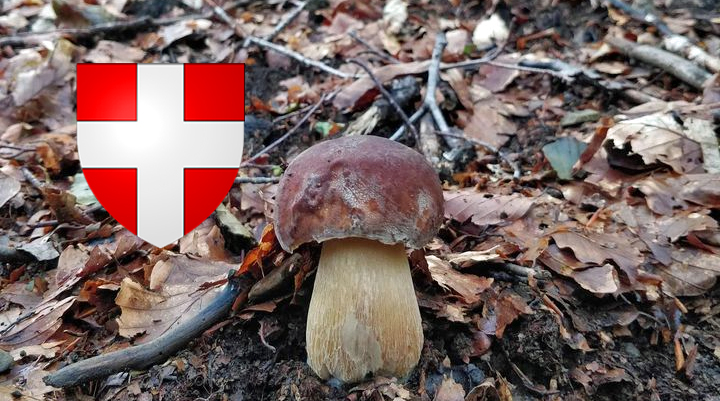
x=468 y=286
x=351 y=95
x=108 y=51
x=508 y=307
x=449 y=390
x=598 y=248
x=177 y=295
x=658 y=138
x=45 y=321
x=9 y=187
x=482 y=209
x=474 y=256
x=600 y=279
x=692 y=272
x=486 y=123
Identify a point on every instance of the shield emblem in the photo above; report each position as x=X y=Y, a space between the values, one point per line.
x=160 y=144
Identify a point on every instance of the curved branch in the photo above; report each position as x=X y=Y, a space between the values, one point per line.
x=153 y=352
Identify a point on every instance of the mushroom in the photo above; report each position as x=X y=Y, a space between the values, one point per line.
x=364 y=198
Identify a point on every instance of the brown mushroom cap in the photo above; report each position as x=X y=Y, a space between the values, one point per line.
x=358 y=186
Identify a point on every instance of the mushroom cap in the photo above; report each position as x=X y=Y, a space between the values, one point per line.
x=358 y=186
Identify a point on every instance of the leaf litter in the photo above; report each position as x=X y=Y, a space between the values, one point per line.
x=607 y=241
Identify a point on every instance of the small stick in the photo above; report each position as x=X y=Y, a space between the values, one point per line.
x=32 y=179
x=387 y=95
x=433 y=77
x=383 y=55
x=287 y=134
x=256 y=180
x=299 y=57
x=280 y=49
x=679 y=67
x=413 y=118
x=285 y=22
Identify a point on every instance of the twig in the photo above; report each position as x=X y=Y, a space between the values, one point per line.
x=287 y=134
x=433 y=78
x=525 y=271
x=256 y=180
x=383 y=55
x=673 y=42
x=32 y=179
x=413 y=119
x=299 y=57
x=642 y=16
x=387 y=95
x=285 y=22
x=272 y=46
x=682 y=69
x=263 y=340
x=517 y=171
x=153 y=352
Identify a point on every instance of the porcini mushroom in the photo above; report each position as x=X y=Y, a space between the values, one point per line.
x=364 y=198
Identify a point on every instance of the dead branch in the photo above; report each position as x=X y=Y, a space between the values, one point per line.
x=299 y=57
x=387 y=96
x=673 y=64
x=287 y=134
x=286 y=21
x=227 y=19
x=153 y=352
x=673 y=42
x=433 y=78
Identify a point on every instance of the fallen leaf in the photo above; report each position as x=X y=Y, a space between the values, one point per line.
x=9 y=187
x=563 y=154
x=45 y=320
x=468 y=286
x=508 y=307
x=178 y=295
x=486 y=123
x=108 y=51
x=449 y=390
x=658 y=138
x=484 y=209
x=597 y=248
x=692 y=272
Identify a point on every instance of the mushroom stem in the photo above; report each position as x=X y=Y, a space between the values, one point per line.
x=363 y=316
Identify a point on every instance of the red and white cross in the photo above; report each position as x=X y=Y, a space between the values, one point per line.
x=160 y=144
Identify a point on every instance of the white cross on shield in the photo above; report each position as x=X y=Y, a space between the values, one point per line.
x=160 y=144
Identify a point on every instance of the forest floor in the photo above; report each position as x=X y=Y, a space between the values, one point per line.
x=580 y=251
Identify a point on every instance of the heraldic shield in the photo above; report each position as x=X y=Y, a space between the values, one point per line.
x=160 y=144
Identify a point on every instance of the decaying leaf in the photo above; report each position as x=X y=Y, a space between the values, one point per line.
x=508 y=307
x=449 y=390
x=44 y=322
x=485 y=209
x=9 y=187
x=468 y=286
x=658 y=138
x=176 y=294
x=692 y=272
x=597 y=248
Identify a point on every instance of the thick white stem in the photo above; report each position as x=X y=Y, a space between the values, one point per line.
x=363 y=317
